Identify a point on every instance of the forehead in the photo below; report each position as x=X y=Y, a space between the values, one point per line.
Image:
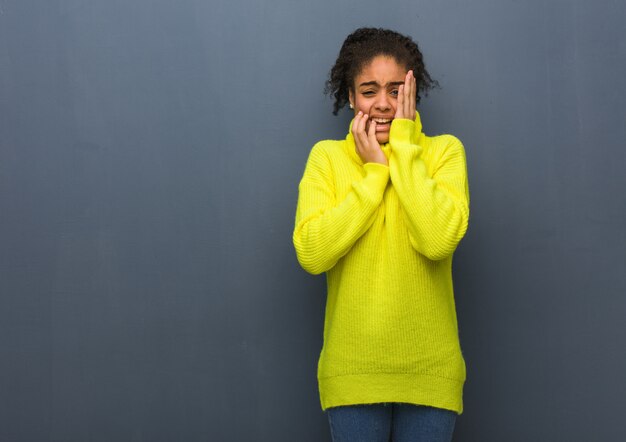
x=382 y=69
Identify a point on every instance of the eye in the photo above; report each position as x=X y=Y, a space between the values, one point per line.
x=368 y=93
x=394 y=92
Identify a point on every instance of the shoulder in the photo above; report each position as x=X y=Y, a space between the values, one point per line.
x=326 y=150
x=445 y=141
x=327 y=147
x=445 y=144
x=323 y=154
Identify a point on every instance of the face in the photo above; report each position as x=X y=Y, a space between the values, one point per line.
x=375 y=93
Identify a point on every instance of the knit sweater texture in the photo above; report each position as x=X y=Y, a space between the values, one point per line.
x=385 y=236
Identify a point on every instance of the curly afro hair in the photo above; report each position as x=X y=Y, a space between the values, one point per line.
x=360 y=48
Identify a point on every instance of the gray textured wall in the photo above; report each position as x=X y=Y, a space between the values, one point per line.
x=149 y=158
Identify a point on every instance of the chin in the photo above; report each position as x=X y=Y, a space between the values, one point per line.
x=382 y=138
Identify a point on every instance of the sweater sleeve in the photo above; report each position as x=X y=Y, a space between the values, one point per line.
x=326 y=228
x=436 y=208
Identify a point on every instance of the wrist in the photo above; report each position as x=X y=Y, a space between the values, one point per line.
x=382 y=161
x=402 y=130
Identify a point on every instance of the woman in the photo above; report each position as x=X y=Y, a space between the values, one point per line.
x=381 y=212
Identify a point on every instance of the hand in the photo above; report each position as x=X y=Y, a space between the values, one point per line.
x=406 y=98
x=367 y=146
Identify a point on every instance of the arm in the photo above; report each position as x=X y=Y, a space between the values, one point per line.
x=436 y=208
x=326 y=229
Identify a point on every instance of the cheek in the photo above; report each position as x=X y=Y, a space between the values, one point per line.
x=393 y=103
x=362 y=105
x=366 y=106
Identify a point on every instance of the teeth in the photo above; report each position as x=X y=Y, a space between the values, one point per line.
x=382 y=120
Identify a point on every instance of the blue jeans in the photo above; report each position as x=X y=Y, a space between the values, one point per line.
x=384 y=422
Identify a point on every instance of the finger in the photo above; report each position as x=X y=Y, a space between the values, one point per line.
x=377 y=154
x=413 y=95
x=355 y=131
x=357 y=118
x=400 y=103
x=371 y=135
x=407 y=95
x=371 y=123
x=361 y=136
x=355 y=123
x=362 y=124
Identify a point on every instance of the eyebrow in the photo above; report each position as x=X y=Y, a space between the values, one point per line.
x=373 y=83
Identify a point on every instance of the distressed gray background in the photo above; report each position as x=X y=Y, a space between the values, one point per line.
x=150 y=153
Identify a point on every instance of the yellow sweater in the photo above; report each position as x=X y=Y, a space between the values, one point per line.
x=385 y=235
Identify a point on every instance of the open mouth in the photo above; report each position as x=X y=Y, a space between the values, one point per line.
x=382 y=120
x=382 y=124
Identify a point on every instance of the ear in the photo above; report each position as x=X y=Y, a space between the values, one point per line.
x=351 y=98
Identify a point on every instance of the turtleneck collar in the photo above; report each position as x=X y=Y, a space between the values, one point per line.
x=386 y=148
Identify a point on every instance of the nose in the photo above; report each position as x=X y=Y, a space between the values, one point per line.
x=382 y=101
